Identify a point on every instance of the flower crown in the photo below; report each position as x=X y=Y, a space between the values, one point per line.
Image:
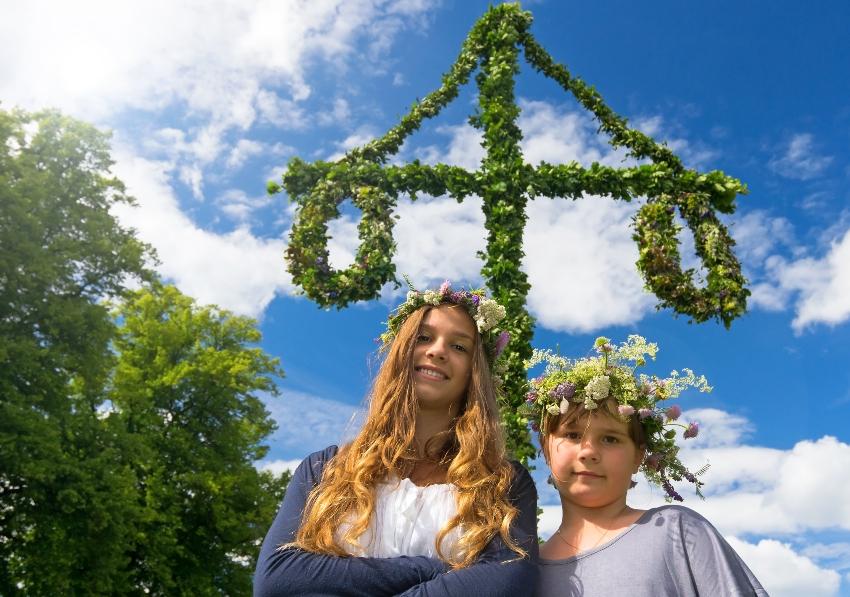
x=587 y=382
x=485 y=312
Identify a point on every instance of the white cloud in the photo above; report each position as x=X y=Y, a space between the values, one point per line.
x=580 y=262
x=438 y=238
x=821 y=285
x=340 y=113
x=236 y=204
x=237 y=271
x=307 y=423
x=99 y=58
x=718 y=428
x=758 y=235
x=837 y=555
x=278 y=467
x=800 y=161
x=242 y=151
x=782 y=571
x=760 y=490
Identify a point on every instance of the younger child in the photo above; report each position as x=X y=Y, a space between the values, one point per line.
x=600 y=424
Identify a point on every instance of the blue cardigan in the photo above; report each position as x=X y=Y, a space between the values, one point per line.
x=298 y=572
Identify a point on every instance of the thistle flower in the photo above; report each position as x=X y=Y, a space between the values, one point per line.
x=673 y=413
x=626 y=410
x=564 y=390
x=692 y=430
x=653 y=461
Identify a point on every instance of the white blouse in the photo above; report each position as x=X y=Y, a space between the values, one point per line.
x=406 y=521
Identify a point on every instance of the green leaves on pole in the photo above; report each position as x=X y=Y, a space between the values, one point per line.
x=505 y=183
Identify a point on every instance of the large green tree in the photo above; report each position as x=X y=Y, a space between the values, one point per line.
x=127 y=438
x=184 y=395
x=65 y=497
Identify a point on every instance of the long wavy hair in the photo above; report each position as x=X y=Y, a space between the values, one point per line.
x=473 y=448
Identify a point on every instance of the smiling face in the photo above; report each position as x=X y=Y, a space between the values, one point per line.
x=442 y=357
x=592 y=459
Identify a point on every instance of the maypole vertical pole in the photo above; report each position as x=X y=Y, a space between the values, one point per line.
x=503 y=176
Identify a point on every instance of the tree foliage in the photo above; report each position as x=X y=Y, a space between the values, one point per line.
x=127 y=439
x=184 y=395
x=63 y=489
x=505 y=182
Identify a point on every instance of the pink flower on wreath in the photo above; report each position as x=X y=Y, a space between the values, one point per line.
x=445 y=287
x=626 y=410
x=673 y=413
x=644 y=413
x=692 y=430
x=653 y=461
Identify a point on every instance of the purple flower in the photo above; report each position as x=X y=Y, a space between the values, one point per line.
x=564 y=390
x=501 y=342
x=445 y=288
x=692 y=430
x=475 y=299
x=626 y=410
x=671 y=492
x=535 y=426
x=531 y=396
x=653 y=461
x=644 y=413
x=673 y=412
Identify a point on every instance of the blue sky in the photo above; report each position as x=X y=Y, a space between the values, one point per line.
x=208 y=101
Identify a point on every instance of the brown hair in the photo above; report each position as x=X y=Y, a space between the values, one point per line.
x=474 y=452
x=577 y=414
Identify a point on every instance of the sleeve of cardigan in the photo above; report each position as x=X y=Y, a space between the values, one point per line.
x=498 y=570
x=297 y=572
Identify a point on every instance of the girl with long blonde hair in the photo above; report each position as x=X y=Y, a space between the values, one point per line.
x=423 y=501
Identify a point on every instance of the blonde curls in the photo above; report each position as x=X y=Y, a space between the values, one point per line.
x=474 y=452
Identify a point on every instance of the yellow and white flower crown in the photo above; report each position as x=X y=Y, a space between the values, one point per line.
x=585 y=383
x=485 y=312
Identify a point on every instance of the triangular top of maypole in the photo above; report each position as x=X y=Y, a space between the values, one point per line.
x=508 y=25
x=505 y=182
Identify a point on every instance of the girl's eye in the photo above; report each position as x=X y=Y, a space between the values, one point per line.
x=610 y=439
x=423 y=338
x=572 y=435
x=460 y=347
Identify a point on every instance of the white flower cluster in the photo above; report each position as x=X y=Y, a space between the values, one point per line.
x=635 y=349
x=596 y=391
x=432 y=297
x=489 y=314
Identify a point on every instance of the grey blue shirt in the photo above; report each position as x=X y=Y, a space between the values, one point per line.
x=670 y=550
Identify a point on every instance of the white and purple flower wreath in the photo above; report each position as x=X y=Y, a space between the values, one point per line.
x=587 y=382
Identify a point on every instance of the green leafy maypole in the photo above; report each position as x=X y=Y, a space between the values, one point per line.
x=505 y=182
